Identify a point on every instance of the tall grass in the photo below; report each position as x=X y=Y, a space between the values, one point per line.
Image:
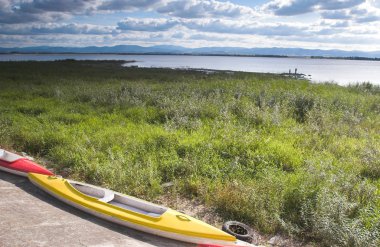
x=282 y=155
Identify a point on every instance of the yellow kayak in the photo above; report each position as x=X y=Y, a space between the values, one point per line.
x=131 y=212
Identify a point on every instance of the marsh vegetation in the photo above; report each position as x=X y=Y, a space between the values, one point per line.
x=280 y=154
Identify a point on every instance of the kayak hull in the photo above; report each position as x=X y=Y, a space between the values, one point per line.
x=239 y=243
x=18 y=165
x=13 y=171
x=229 y=240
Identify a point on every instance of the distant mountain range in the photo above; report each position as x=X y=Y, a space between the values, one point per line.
x=169 y=49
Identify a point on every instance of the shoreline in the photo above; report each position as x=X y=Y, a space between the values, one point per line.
x=130 y=64
x=190 y=54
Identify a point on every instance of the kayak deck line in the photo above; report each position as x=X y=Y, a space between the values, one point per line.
x=131 y=212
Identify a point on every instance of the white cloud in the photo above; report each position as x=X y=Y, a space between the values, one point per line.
x=191 y=23
x=336 y=15
x=212 y=26
x=374 y=3
x=28 y=11
x=54 y=28
x=363 y=13
x=119 y=5
x=146 y=24
x=182 y=8
x=205 y=8
x=13 y=11
x=245 y=27
x=296 y=7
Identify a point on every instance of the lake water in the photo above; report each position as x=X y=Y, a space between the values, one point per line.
x=340 y=71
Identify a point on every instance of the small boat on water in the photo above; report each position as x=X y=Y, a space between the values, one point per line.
x=16 y=164
x=132 y=212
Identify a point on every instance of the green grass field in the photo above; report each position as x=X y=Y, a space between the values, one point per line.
x=282 y=155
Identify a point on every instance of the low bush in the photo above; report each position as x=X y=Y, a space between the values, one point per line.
x=280 y=154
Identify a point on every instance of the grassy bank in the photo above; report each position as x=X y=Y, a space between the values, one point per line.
x=279 y=154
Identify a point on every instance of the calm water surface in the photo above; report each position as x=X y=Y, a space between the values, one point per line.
x=340 y=71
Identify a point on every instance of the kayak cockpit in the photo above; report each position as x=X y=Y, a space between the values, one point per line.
x=119 y=200
x=89 y=190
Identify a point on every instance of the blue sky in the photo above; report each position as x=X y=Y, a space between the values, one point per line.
x=323 y=24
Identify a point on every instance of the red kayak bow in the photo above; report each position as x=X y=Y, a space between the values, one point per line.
x=16 y=164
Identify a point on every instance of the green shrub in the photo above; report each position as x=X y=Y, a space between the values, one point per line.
x=280 y=154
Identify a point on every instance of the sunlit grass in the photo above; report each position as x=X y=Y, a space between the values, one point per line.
x=279 y=154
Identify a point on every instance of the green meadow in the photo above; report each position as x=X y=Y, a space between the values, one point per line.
x=282 y=155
